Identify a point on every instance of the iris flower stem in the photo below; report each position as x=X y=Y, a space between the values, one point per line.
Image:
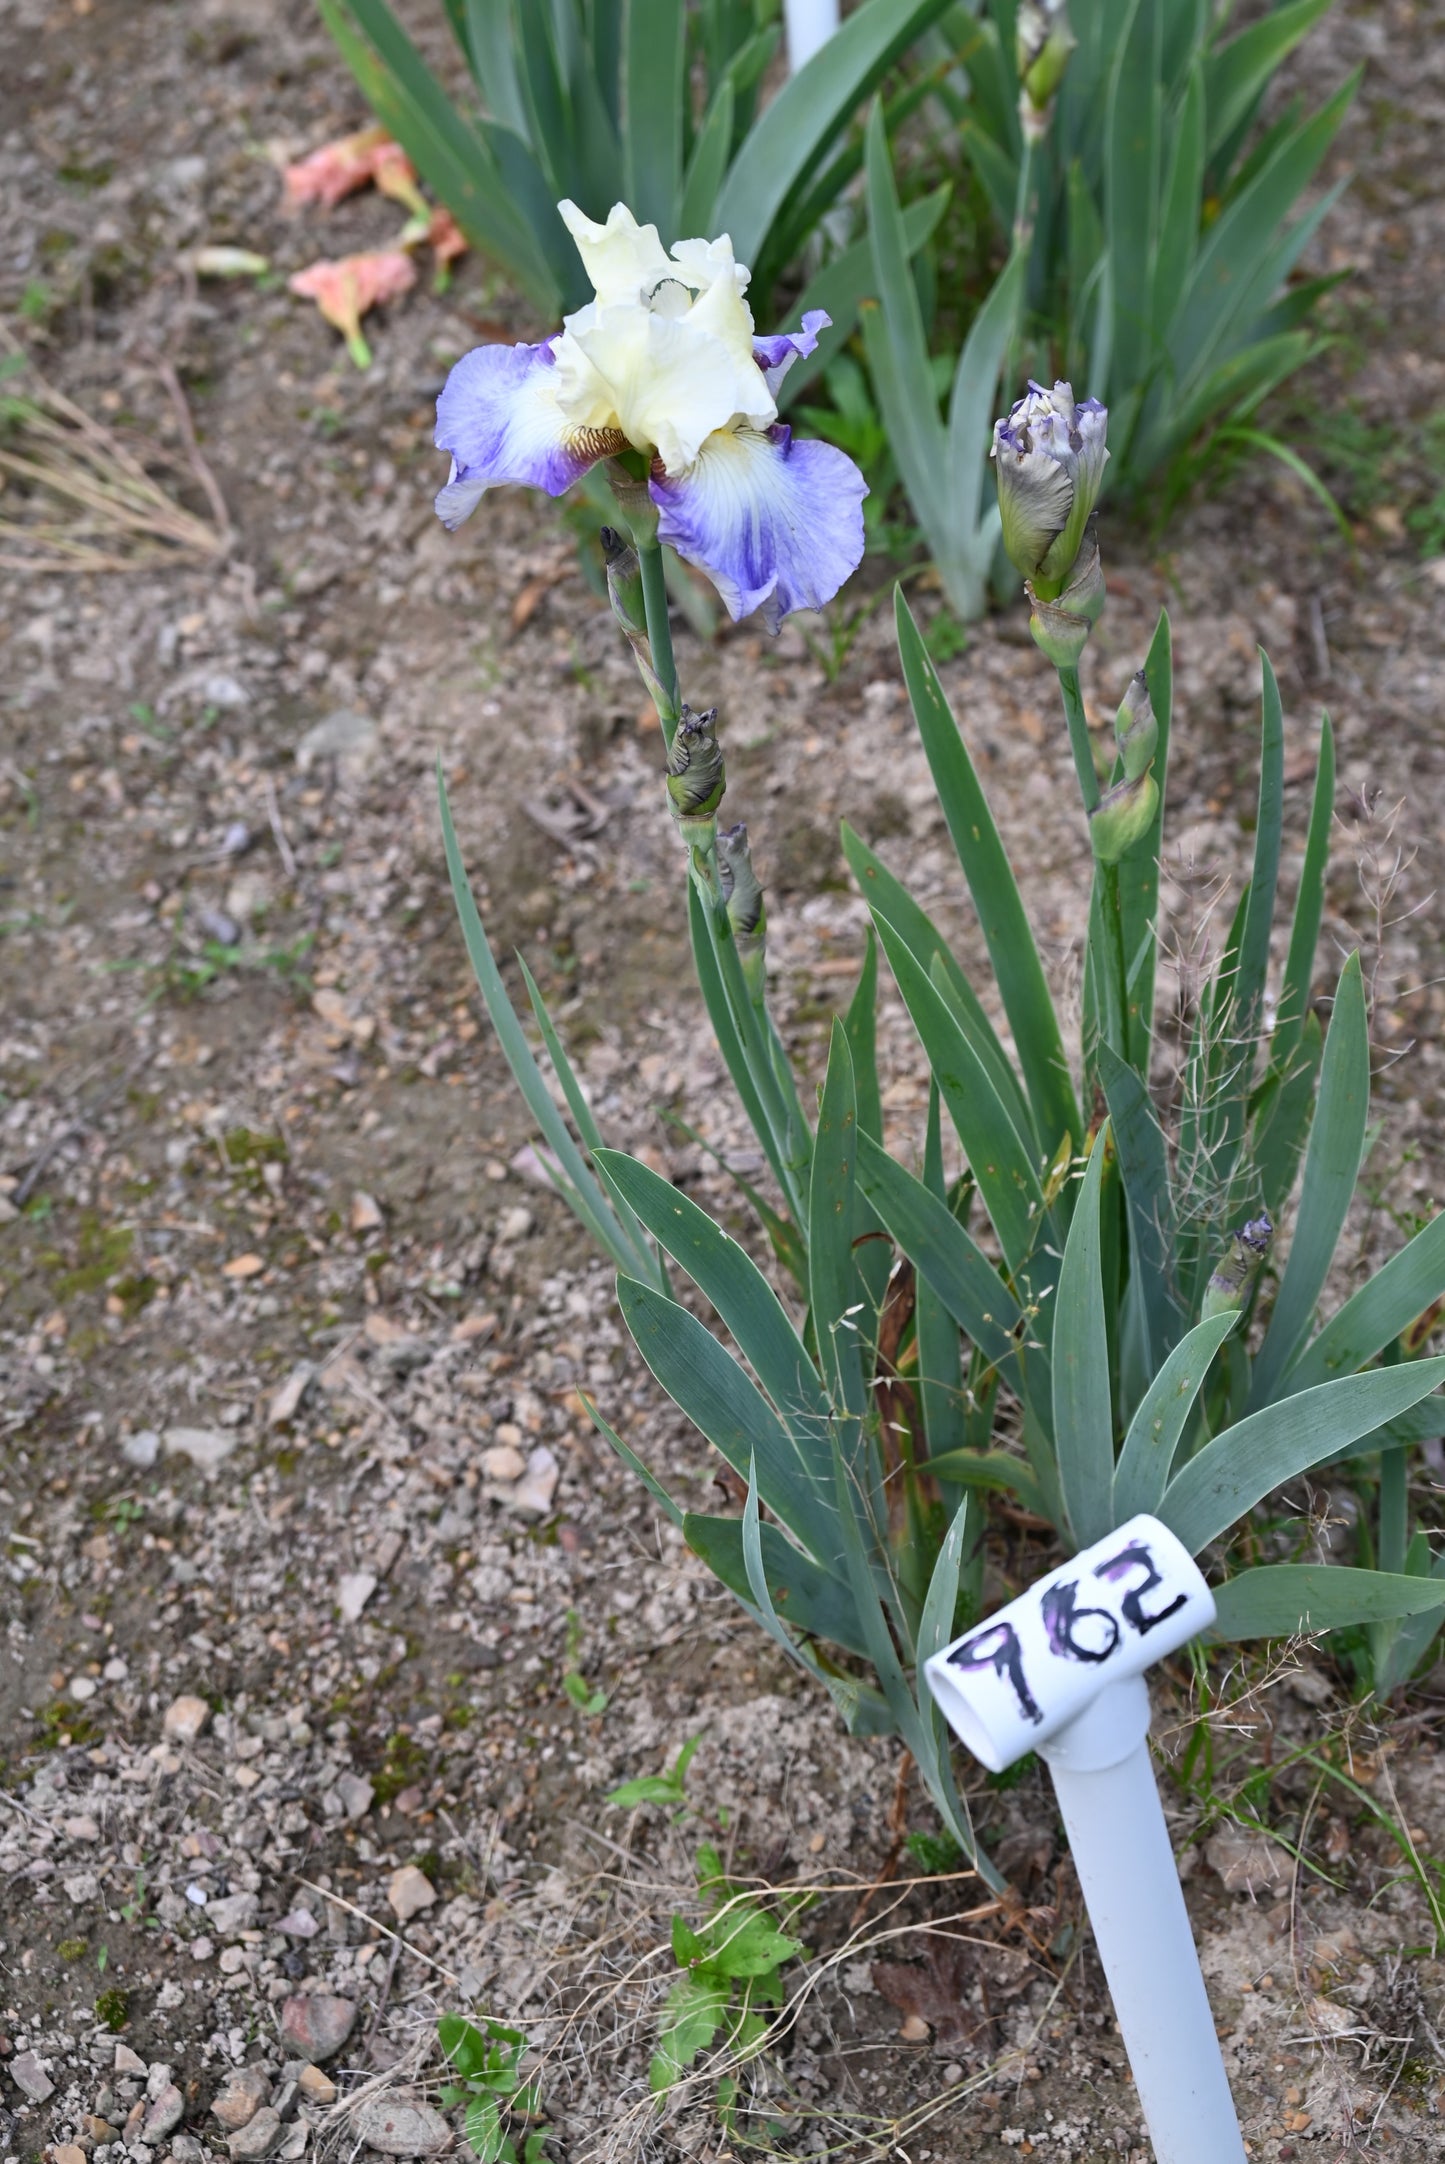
x=1117 y=1006
x=759 y=1039
x=659 y=637
x=1079 y=743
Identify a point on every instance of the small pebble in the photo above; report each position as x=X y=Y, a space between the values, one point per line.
x=127 y=2061
x=30 y=2077
x=185 y=1719
x=356 y=1793
x=534 y=1493
x=258 y=2137
x=316 y=2087
x=409 y=1892
x=401 y=2126
x=353 y=1593
x=299 y=1924
x=240 y=2097
x=502 y=1462
x=164 y=2115
x=317 y=2026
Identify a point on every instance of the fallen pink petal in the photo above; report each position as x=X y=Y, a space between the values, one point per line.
x=344 y=291
x=337 y=169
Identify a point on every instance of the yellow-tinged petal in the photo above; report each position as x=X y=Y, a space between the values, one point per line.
x=623 y=259
x=670 y=383
x=721 y=312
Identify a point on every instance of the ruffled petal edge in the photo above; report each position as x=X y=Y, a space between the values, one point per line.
x=775 y=523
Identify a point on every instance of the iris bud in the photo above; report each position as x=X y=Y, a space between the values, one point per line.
x=1123 y=816
x=1135 y=730
x=1049 y=457
x=1061 y=628
x=746 y=906
x=1230 y=1283
x=696 y=777
x=1125 y=813
x=1045 y=41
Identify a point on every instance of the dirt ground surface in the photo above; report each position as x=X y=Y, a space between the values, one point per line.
x=305 y=1525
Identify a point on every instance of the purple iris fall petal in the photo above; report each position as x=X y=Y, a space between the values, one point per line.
x=775 y=524
x=776 y=355
x=499 y=419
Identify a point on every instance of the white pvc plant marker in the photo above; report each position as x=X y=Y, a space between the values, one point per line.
x=810 y=24
x=1060 y=1671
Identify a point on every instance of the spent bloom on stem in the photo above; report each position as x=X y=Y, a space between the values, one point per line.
x=344 y=290
x=664 y=361
x=1049 y=455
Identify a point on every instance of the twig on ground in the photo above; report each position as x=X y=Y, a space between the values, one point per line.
x=278 y=832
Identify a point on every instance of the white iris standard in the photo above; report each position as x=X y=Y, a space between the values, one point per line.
x=665 y=361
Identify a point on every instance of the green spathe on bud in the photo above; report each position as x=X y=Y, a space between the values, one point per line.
x=624 y=591
x=1230 y=1282
x=1061 y=628
x=1125 y=813
x=1049 y=457
x=1123 y=816
x=746 y=905
x=696 y=777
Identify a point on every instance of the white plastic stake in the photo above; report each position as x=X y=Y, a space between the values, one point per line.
x=810 y=24
x=1061 y=1671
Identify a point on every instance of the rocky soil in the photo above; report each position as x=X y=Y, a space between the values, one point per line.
x=330 y=1621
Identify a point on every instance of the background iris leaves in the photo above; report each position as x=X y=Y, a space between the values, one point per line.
x=1039 y=1332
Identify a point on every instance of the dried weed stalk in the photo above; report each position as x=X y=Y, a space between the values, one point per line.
x=85 y=502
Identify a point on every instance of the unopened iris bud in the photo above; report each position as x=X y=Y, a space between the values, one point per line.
x=624 y=591
x=1230 y=1283
x=696 y=777
x=1136 y=731
x=1049 y=457
x=1125 y=813
x=1123 y=816
x=1045 y=41
x=1061 y=628
x=747 y=907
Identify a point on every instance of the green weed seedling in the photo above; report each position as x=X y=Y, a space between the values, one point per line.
x=487 y=2064
x=574 y=1683
x=664 y=1788
x=731 y=1967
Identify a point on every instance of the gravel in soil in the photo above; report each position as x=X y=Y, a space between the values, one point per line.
x=305 y=1522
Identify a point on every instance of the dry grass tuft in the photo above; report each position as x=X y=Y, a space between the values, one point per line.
x=73 y=497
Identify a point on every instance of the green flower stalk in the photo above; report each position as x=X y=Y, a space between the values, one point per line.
x=1229 y=1285
x=1045 y=39
x=747 y=908
x=1125 y=813
x=1049 y=457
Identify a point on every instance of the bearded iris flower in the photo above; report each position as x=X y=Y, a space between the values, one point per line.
x=664 y=361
